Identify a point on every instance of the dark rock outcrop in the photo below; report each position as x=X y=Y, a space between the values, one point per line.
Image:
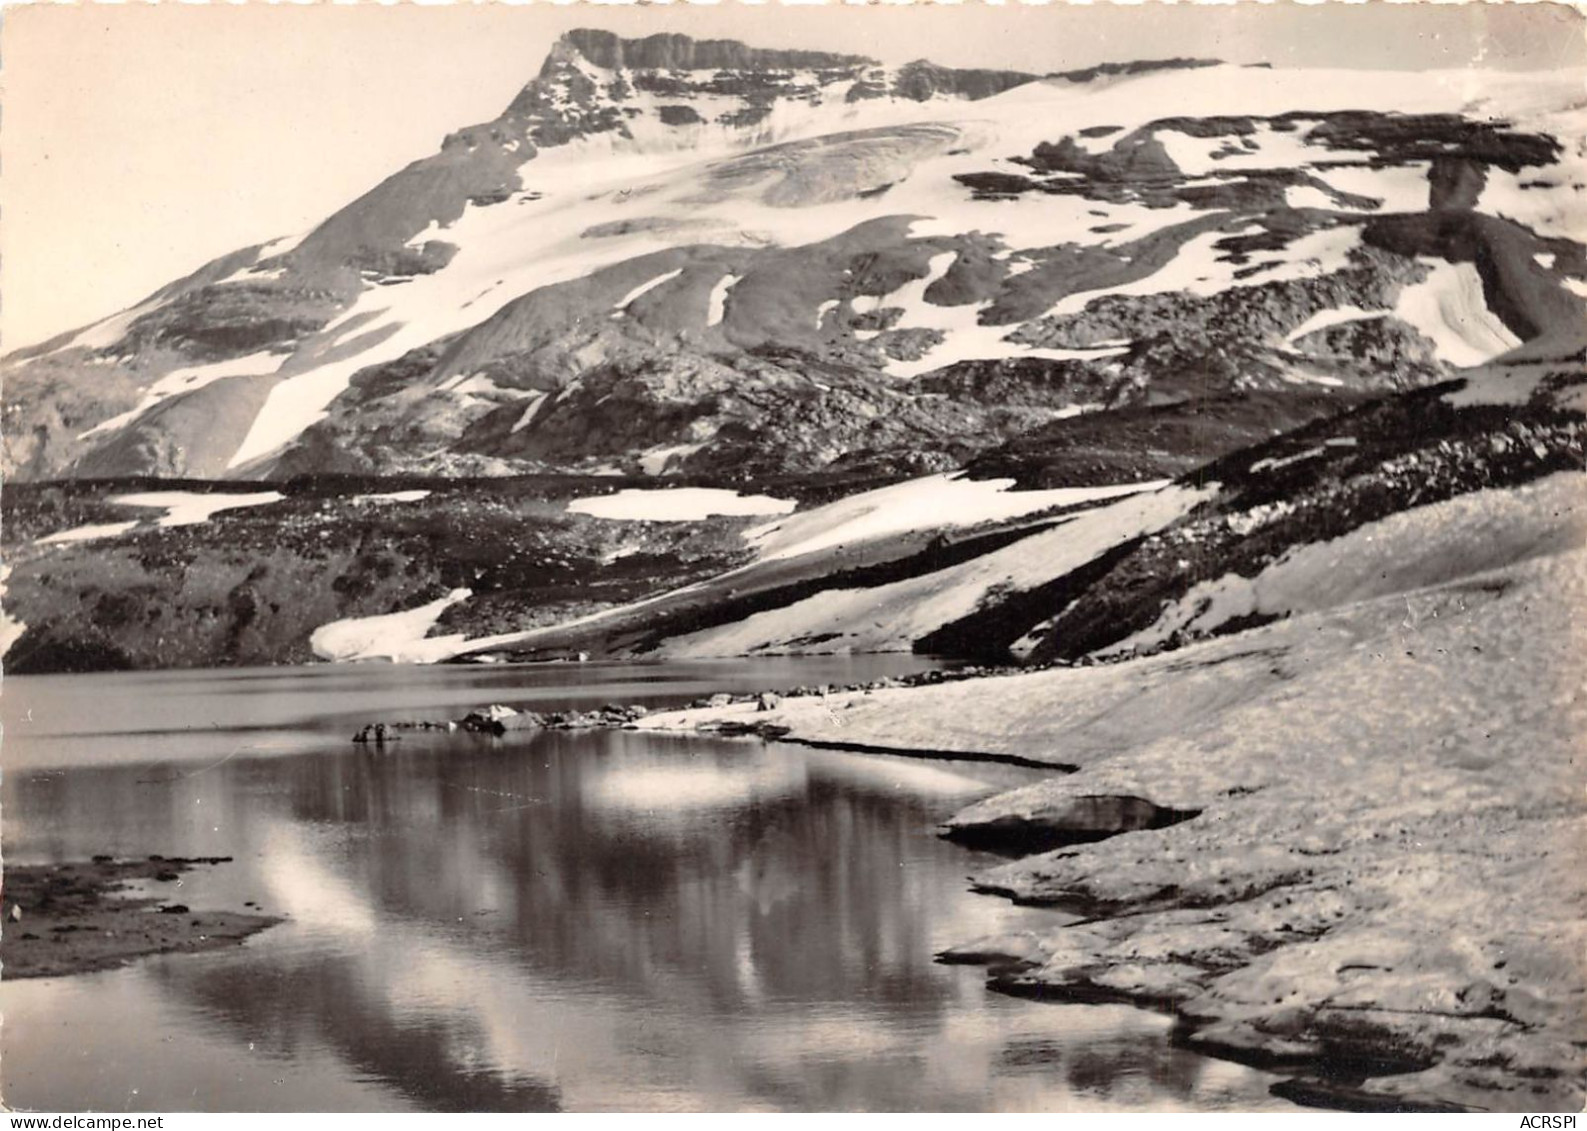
x=1076 y=820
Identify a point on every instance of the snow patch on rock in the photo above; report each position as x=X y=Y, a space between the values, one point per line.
x=1201 y=268
x=1277 y=462
x=964 y=337
x=398 y=637
x=892 y=617
x=11 y=629
x=930 y=503
x=655 y=461
x=187 y=508
x=1307 y=196
x=187 y=380
x=643 y=289
x=1323 y=319
x=88 y=533
x=677 y=504
x=393 y=497
x=530 y=411
x=1269 y=149
x=1555 y=212
x=1398 y=188
x=717 y=306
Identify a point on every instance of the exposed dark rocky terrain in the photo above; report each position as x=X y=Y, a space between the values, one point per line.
x=1312 y=485
x=249 y=586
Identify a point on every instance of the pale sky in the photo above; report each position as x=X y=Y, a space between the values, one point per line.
x=141 y=141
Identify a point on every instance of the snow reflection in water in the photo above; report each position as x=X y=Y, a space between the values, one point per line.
x=586 y=921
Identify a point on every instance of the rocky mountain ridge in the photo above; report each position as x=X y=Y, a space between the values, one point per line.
x=671 y=255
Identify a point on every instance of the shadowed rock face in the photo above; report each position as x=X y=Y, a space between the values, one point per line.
x=1075 y=820
x=921 y=80
x=1518 y=288
x=1135 y=67
x=213 y=323
x=1139 y=157
x=671 y=52
x=1136 y=166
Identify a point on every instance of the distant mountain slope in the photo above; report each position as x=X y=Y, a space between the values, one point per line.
x=674 y=255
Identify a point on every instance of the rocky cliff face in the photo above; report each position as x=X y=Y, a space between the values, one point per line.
x=669 y=254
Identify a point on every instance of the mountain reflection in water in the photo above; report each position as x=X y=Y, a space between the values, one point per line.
x=581 y=920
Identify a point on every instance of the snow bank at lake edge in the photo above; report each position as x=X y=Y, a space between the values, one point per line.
x=678 y=504
x=398 y=637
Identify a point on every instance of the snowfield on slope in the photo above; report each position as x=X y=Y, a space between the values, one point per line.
x=505 y=250
x=890 y=618
x=860 y=518
x=1411 y=550
x=677 y=504
x=1092 y=715
x=1449 y=308
x=108 y=331
x=398 y=637
x=1390 y=818
x=188 y=508
x=933 y=502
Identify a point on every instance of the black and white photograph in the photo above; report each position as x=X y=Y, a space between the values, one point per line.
x=751 y=558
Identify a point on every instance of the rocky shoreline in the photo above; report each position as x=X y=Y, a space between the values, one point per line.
x=499 y=719
x=1307 y=842
x=1310 y=842
x=1340 y=845
x=74 y=918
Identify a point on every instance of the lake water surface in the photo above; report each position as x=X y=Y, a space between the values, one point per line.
x=566 y=920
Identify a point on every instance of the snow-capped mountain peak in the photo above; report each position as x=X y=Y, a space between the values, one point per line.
x=669 y=253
